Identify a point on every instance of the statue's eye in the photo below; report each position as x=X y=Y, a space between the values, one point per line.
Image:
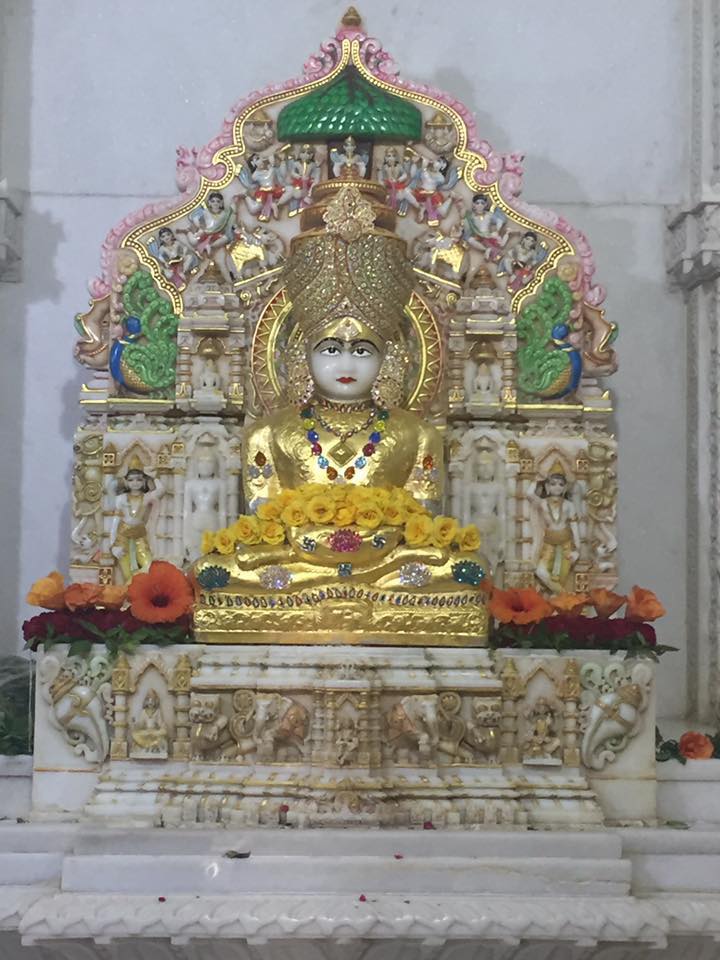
x=361 y=352
x=330 y=351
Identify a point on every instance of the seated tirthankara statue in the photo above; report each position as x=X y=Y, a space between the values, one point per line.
x=341 y=544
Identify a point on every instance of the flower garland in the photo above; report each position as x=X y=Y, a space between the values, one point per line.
x=154 y=608
x=525 y=618
x=343 y=506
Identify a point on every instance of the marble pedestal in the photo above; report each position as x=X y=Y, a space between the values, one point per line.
x=246 y=736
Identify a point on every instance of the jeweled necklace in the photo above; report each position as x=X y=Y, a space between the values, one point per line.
x=345 y=434
x=378 y=418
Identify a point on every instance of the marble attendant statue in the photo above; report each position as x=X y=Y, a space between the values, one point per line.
x=209 y=378
x=560 y=532
x=348 y=162
x=211 y=230
x=483 y=501
x=205 y=500
x=136 y=501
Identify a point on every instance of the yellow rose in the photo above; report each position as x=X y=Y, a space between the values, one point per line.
x=284 y=498
x=415 y=508
x=468 y=538
x=418 y=530
x=246 y=530
x=345 y=514
x=272 y=532
x=395 y=514
x=369 y=516
x=269 y=511
x=320 y=509
x=444 y=531
x=224 y=541
x=207 y=544
x=381 y=496
x=294 y=514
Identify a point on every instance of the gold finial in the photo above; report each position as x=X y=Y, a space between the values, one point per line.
x=349 y=215
x=351 y=18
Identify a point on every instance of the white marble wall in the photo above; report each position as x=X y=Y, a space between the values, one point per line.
x=596 y=98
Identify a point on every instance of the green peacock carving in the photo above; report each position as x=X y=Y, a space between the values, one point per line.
x=549 y=365
x=143 y=360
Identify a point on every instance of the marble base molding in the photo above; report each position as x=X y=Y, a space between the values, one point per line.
x=346 y=736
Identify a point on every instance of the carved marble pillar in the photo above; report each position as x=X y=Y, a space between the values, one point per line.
x=181 y=681
x=374 y=729
x=363 y=757
x=693 y=258
x=120 y=685
x=317 y=728
x=330 y=725
x=513 y=690
x=569 y=691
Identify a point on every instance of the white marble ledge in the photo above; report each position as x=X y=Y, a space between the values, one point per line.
x=633 y=886
x=423 y=920
x=689 y=793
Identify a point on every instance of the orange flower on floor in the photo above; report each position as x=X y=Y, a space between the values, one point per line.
x=48 y=592
x=518 y=606
x=606 y=602
x=161 y=595
x=571 y=603
x=695 y=746
x=112 y=597
x=643 y=605
x=78 y=596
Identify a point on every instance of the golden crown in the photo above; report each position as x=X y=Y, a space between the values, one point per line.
x=352 y=268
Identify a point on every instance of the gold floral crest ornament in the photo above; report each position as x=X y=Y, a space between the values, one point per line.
x=349 y=215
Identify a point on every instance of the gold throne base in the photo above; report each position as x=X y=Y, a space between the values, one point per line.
x=343 y=614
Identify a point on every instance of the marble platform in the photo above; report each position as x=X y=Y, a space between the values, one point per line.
x=75 y=890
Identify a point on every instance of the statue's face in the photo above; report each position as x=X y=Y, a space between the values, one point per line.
x=555 y=485
x=344 y=370
x=135 y=482
x=206 y=467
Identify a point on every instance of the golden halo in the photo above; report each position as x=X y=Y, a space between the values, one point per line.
x=275 y=334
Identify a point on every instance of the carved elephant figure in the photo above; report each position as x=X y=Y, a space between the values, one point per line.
x=78 y=695
x=614 y=718
x=262 y=720
x=277 y=719
x=415 y=718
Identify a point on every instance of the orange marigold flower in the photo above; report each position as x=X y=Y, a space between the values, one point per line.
x=519 y=606
x=161 y=595
x=81 y=595
x=695 y=746
x=112 y=597
x=643 y=605
x=48 y=592
x=571 y=603
x=606 y=602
